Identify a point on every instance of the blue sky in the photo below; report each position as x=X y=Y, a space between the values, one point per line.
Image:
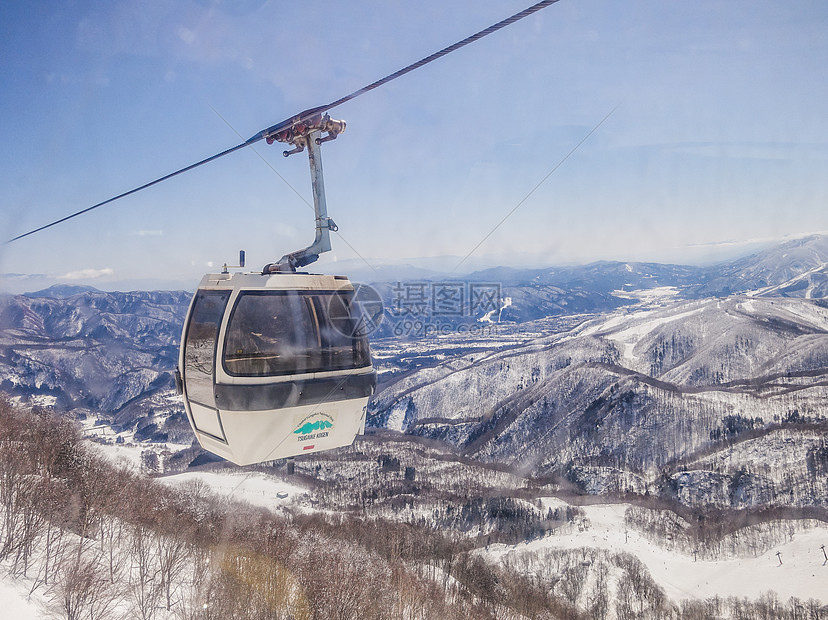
x=719 y=136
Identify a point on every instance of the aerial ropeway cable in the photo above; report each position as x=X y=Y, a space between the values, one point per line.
x=277 y=363
x=303 y=117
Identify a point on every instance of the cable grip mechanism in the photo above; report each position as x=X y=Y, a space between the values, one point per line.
x=298 y=133
x=306 y=132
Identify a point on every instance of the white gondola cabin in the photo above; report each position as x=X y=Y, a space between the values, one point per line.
x=275 y=365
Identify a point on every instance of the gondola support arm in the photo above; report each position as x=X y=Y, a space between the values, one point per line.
x=308 y=135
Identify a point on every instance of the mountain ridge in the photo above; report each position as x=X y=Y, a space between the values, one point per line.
x=626 y=398
x=587 y=389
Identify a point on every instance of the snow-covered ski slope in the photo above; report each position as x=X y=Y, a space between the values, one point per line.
x=800 y=570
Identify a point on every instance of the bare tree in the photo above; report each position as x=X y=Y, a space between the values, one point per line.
x=598 y=596
x=173 y=553
x=254 y=587
x=144 y=574
x=82 y=590
x=15 y=484
x=195 y=586
x=573 y=582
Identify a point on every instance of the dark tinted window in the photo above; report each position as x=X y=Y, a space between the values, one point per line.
x=343 y=341
x=200 y=346
x=286 y=332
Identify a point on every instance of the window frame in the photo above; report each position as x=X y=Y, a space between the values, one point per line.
x=188 y=377
x=315 y=303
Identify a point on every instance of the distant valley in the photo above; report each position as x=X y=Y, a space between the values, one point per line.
x=619 y=336
x=690 y=402
x=713 y=402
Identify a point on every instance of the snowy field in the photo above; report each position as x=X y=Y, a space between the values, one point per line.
x=803 y=571
x=650 y=295
x=126 y=454
x=102 y=440
x=253 y=487
x=16 y=602
x=799 y=570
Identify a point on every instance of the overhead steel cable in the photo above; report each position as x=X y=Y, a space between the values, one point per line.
x=443 y=52
x=132 y=191
x=308 y=114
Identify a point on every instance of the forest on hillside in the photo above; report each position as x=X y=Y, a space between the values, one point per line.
x=95 y=540
x=100 y=541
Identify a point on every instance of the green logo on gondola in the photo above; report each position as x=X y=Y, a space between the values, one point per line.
x=311 y=427
x=317 y=425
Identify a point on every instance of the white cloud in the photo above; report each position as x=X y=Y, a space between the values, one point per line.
x=186 y=35
x=86 y=274
x=22 y=276
x=149 y=233
x=755 y=241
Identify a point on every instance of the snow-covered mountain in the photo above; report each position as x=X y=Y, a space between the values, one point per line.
x=641 y=374
x=793 y=269
x=87 y=348
x=709 y=402
x=798 y=268
x=698 y=414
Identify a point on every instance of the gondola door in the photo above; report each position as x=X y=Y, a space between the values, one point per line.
x=199 y=366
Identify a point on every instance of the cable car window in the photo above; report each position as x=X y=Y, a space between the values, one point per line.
x=271 y=334
x=291 y=332
x=200 y=346
x=343 y=338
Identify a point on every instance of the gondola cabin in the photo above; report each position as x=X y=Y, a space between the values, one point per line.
x=272 y=366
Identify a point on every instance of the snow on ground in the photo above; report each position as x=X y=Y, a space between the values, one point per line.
x=639 y=325
x=35 y=400
x=16 y=602
x=256 y=488
x=94 y=427
x=552 y=503
x=102 y=440
x=660 y=293
x=809 y=313
x=747 y=306
x=126 y=454
x=803 y=572
x=487 y=318
x=130 y=454
x=770 y=290
x=635 y=332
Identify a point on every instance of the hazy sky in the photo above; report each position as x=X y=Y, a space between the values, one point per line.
x=719 y=134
